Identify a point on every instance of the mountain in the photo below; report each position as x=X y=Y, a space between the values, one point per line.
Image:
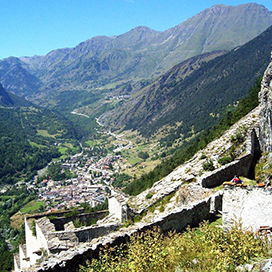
x=5 y=99
x=15 y=78
x=138 y=54
x=198 y=100
x=8 y=99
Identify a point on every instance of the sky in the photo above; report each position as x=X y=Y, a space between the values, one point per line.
x=36 y=27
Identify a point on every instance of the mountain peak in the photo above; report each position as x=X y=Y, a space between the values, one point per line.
x=142 y=29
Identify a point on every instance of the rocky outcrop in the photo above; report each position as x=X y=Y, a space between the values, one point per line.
x=252 y=207
x=265 y=98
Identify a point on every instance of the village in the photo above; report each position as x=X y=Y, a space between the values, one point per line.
x=91 y=185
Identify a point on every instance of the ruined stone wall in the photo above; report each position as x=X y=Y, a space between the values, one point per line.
x=178 y=220
x=42 y=241
x=85 y=218
x=252 y=207
x=115 y=208
x=32 y=244
x=85 y=234
x=239 y=167
x=23 y=258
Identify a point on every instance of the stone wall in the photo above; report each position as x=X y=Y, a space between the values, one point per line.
x=239 y=167
x=251 y=206
x=118 y=207
x=201 y=210
x=177 y=220
x=85 y=234
x=115 y=208
x=32 y=244
x=42 y=240
x=85 y=218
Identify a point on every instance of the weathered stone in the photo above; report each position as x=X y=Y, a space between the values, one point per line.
x=266 y=266
x=252 y=207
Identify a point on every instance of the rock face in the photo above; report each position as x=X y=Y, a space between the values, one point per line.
x=251 y=207
x=265 y=98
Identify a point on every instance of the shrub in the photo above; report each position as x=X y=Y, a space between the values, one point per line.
x=143 y=155
x=149 y=195
x=225 y=160
x=33 y=227
x=208 y=165
x=204 y=249
x=162 y=208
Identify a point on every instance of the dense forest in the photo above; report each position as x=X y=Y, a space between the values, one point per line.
x=28 y=139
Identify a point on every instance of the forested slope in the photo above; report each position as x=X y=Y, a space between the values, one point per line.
x=28 y=138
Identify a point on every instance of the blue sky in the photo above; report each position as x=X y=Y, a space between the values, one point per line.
x=35 y=27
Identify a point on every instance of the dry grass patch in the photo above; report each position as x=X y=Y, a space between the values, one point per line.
x=17 y=220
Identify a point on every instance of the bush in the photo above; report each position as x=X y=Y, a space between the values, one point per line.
x=225 y=160
x=204 y=249
x=149 y=195
x=143 y=155
x=208 y=165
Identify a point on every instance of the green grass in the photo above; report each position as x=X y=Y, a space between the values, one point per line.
x=35 y=144
x=44 y=133
x=32 y=206
x=69 y=145
x=62 y=149
x=217 y=222
x=133 y=161
x=141 y=147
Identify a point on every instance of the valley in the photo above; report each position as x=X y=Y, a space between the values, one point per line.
x=124 y=113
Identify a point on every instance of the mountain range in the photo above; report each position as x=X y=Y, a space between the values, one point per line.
x=106 y=62
x=193 y=94
x=145 y=79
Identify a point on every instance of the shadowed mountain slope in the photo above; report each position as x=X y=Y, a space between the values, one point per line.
x=198 y=100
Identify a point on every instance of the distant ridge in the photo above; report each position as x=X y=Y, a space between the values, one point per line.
x=199 y=99
x=137 y=54
x=8 y=99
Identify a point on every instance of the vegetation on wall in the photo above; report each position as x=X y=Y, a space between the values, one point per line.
x=207 y=248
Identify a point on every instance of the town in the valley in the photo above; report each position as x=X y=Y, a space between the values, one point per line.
x=90 y=185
